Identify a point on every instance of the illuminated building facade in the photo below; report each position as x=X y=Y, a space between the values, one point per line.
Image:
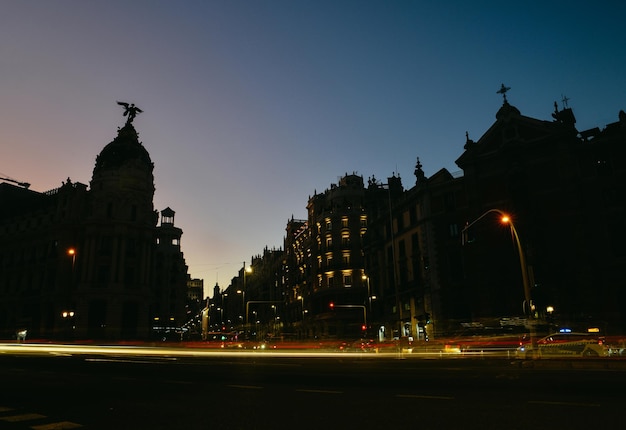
x=337 y=221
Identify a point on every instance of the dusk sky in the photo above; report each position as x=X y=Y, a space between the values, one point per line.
x=252 y=106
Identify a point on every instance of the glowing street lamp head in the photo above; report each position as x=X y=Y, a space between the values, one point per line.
x=71 y=251
x=505 y=219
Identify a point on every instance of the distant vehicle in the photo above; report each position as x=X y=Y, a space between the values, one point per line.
x=363 y=345
x=565 y=345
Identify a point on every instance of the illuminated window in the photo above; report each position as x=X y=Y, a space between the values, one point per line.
x=329 y=241
x=344 y=222
x=347 y=280
x=345 y=241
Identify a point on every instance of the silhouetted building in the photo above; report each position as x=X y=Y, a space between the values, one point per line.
x=566 y=193
x=412 y=250
x=298 y=261
x=408 y=264
x=91 y=263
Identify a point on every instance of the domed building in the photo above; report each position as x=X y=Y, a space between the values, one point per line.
x=92 y=263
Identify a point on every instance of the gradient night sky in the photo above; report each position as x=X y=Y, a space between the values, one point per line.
x=252 y=106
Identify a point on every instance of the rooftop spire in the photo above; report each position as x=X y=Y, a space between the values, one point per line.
x=503 y=90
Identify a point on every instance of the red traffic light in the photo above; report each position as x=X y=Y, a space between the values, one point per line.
x=363 y=327
x=332 y=305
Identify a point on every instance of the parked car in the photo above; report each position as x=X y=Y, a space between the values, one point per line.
x=565 y=345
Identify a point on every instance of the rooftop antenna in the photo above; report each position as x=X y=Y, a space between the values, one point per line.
x=564 y=100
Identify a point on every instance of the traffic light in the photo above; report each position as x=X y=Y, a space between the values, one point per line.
x=332 y=306
x=363 y=327
x=427 y=317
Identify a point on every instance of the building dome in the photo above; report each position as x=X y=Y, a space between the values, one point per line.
x=507 y=110
x=124 y=150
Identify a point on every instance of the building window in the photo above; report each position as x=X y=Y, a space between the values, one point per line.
x=329 y=241
x=413 y=215
x=103 y=275
x=345 y=241
x=344 y=222
x=131 y=247
x=346 y=259
x=347 y=281
x=454 y=230
x=106 y=245
x=129 y=278
x=449 y=202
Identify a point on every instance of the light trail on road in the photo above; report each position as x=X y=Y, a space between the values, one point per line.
x=63 y=349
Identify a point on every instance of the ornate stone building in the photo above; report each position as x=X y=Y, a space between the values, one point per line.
x=92 y=263
x=565 y=192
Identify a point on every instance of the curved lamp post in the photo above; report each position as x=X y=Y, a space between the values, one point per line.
x=506 y=219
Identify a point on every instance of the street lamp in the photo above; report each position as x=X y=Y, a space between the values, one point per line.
x=72 y=252
x=301 y=298
x=369 y=293
x=243 y=291
x=506 y=219
x=221 y=310
x=244 y=321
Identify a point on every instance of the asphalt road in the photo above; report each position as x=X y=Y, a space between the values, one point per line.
x=349 y=391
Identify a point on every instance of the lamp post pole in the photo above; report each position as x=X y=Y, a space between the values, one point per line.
x=243 y=296
x=369 y=294
x=243 y=302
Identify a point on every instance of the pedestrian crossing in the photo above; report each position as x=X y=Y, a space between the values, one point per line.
x=21 y=418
